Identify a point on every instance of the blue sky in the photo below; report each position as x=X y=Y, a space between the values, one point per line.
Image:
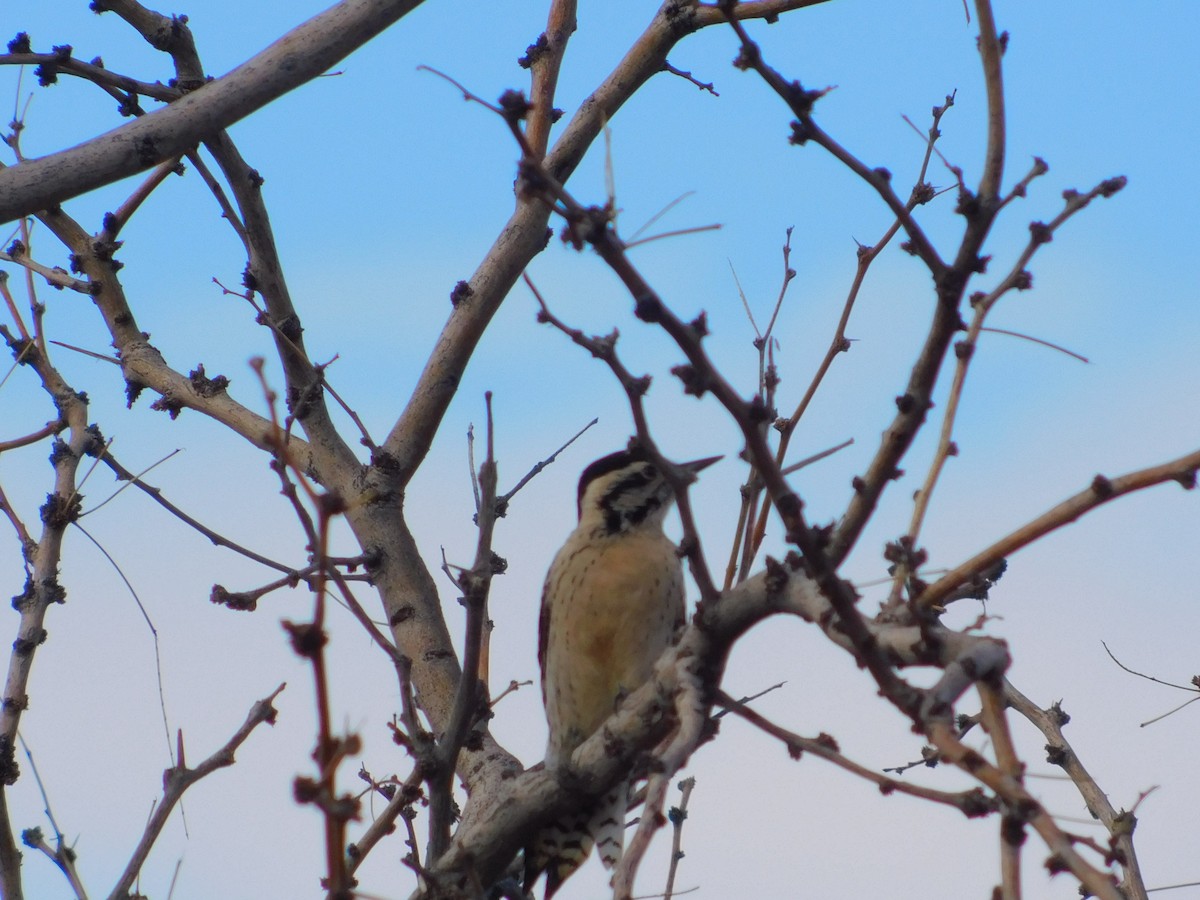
x=385 y=189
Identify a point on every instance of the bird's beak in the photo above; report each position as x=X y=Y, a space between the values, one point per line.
x=698 y=465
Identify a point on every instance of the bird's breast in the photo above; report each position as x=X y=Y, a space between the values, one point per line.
x=617 y=605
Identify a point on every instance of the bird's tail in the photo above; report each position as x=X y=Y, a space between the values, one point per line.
x=558 y=850
x=562 y=847
x=608 y=825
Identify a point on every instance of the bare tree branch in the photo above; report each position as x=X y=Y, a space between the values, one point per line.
x=299 y=56
x=1102 y=490
x=179 y=778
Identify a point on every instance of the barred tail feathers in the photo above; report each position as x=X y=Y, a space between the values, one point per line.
x=562 y=847
x=608 y=825
x=558 y=850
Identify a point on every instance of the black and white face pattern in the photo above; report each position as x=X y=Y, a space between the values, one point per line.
x=625 y=490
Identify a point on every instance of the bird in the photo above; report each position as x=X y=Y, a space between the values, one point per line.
x=613 y=601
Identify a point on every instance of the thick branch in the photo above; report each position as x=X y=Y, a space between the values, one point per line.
x=524 y=236
x=299 y=56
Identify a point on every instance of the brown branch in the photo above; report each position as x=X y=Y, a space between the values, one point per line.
x=1012 y=827
x=472 y=692
x=141 y=363
x=1060 y=844
x=126 y=88
x=54 y=275
x=309 y=640
x=399 y=806
x=1102 y=490
x=218 y=539
x=972 y=804
x=169 y=34
x=1018 y=278
x=1120 y=824
x=33 y=437
x=544 y=60
x=264 y=274
x=990 y=50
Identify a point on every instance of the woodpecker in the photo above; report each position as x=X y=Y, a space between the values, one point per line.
x=611 y=605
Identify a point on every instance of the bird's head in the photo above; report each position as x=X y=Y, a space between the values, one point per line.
x=625 y=491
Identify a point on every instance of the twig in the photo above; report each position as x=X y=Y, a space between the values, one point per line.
x=473 y=472
x=662 y=212
x=743 y=701
x=12 y=306
x=247 y=601
x=61 y=855
x=1018 y=278
x=125 y=86
x=33 y=437
x=158 y=672
x=1120 y=824
x=475 y=584
x=1194 y=688
x=156 y=494
x=687 y=76
x=179 y=778
x=28 y=544
x=513 y=687
x=1189 y=688
x=1169 y=712
x=503 y=500
x=114 y=222
x=678 y=815
x=1172 y=887
x=100 y=356
x=971 y=803
x=399 y=806
x=1044 y=343
x=544 y=60
x=53 y=274
x=697 y=229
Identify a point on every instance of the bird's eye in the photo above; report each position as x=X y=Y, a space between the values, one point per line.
x=649 y=472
